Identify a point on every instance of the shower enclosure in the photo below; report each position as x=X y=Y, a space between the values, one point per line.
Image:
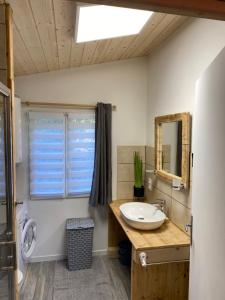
x=7 y=236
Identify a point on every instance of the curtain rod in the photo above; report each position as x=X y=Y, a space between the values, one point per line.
x=61 y=105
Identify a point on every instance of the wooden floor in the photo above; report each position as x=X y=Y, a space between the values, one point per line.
x=107 y=280
x=3 y=286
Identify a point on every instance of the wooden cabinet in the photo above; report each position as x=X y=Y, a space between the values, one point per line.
x=166 y=276
x=160 y=282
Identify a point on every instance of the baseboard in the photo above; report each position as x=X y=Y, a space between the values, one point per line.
x=47 y=258
x=99 y=252
x=61 y=256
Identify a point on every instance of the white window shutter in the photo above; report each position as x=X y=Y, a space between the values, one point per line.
x=80 y=151
x=47 y=154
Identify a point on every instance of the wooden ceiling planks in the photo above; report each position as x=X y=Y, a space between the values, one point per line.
x=88 y=53
x=64 y=19
x=160 y=28
x=44 y=37
x=174 y=25
x=77 y=51
x=146 y=33
x=23 y=61
x=43 y=15
x=25 y=23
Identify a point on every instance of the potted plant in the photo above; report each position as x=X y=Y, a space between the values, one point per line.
x=138 y=176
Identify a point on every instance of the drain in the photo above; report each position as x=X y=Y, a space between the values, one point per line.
x=141 y=218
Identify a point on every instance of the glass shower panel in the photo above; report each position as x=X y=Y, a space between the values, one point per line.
x=4 y=279
x=6 y=243
x=3 y=223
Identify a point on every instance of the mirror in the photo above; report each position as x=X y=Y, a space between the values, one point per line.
x=172 y=147
x=172 y=138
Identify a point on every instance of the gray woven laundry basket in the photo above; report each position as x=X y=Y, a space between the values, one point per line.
x=79 y=241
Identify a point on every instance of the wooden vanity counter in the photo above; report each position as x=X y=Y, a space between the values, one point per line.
x=168 y=235
x=167 y=249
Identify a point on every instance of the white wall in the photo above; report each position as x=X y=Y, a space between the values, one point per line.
x=207 y=253
x=175 y=67
x=173 y=72
x=124 y=84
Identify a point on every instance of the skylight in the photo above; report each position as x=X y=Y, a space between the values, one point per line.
x=98 y=22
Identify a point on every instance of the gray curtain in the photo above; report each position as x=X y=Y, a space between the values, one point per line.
x=101 y=191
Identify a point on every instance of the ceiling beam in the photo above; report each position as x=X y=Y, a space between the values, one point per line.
x=210 y=9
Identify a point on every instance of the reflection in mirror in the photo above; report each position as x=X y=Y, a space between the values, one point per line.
x=172 y=147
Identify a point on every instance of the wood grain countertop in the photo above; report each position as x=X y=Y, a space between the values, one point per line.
x=168 y=235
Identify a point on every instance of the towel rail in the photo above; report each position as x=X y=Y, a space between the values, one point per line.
x=143 y=261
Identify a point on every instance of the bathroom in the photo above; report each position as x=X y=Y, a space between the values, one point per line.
x=63 y=80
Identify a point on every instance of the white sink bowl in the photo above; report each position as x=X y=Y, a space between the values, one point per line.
x=143 y=216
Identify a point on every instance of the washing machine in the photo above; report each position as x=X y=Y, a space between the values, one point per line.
x=26 y=241
x=21 y=217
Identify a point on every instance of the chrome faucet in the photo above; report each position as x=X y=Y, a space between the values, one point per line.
x=160 y=204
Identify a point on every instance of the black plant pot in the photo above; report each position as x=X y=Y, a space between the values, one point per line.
x=139 y=192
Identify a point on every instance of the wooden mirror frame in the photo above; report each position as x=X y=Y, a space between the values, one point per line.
x=185 y=118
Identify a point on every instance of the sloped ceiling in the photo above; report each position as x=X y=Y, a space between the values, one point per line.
x=44 y=37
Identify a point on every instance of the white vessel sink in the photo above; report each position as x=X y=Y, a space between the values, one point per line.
x=143 y=216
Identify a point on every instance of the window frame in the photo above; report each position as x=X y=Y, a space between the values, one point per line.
x=66 y=195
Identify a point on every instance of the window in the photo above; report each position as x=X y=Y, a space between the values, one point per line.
x=80 y=152
x=61 y=149
x=97 y=22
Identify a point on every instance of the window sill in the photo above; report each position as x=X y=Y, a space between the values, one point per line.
x=59 y=198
